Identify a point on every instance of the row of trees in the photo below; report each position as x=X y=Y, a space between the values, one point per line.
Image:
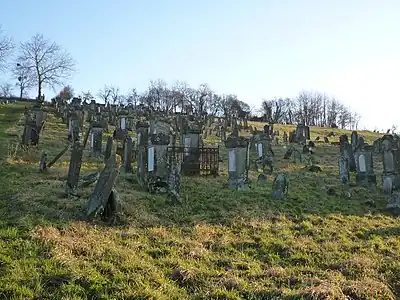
x=37 y=62
x=312 y=108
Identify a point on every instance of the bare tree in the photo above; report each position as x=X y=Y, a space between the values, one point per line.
x=48 y=63
x=6 y=47
x=105 y=94
x=25 y=80
x=87 y=96
x=115 y=95
x=132 y=97
x=6 y=90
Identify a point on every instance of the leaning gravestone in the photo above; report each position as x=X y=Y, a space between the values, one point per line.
x=238 y=158
x=280 y=187
x=75 y=164
x=108 y=150
x=104 y=200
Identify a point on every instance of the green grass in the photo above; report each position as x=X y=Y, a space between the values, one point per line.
x=217 y=244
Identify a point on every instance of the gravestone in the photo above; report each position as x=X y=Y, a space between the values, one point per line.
x=30 y=135
x=344 y=171
x=302 y=133
x=365 y=169
x=391 y=165
x=43 y=162
x=75 y=164
x=74 y=130
x=190 y=140
x=238 y=160
x=354 y=140
x=128 y=148
x=121 y=131
x=346 y=148
x=285 y=137
x=142 y=133
x=96 y=141
x=280 y=187
x=157 y=163
x=264 y=152
x=104 y=199
x=109 y=148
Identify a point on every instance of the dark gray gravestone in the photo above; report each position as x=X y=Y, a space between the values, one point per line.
x=280 y=187
x=128 y=148
x=109 y=147
x=344 y=172
x=74 y=169
x=96 y=141
x=103 y=200
x=43 y=162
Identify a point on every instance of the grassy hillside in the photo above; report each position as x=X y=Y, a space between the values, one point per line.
x=217 y=244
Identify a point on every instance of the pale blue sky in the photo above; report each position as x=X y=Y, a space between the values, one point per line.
x=255 y=49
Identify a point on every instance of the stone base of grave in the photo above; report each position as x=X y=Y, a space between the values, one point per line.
x=393 y=205
x=395 y=178
x=365 y=180
x=238 y=184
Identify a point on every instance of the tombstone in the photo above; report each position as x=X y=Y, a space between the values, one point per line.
x=365 y=169
x=108 y=150
x=393 y=205
x=391 y=165
x=377 y=146
x=280 y=187
x=302 y=133
x=354 y=140
x=344 y=171
x=128 y=150
x=142 y=133
x=346 y=148
x=292 y=137
x=43 y=162
x=326 y=140
x=190 y=140
x=74 y=130
x=74 y=169
x=104 y=199
x=96 y=141
x=30 y=135
x=264 y=152
x=157 y=163
x=121 y=132
x=238 y=159
x=39 y=116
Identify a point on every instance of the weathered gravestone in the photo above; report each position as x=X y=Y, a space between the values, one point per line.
x=354 y=140
x=30 y=135
x=158 y=169
x=238 y=162
x=96 y=140
x=347 y=150
x=43 y=162
x=74 y=128
x=280 y=187
x=109 y=148
x=104 y=200
x=391 y=165
x=142 y=133
x=365 y=169
x=344 y=171
x=190 y=140
x=264 y=152
x=128 y=150
x=75 y=164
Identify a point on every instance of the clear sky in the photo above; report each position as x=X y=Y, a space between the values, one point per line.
x=255 y=48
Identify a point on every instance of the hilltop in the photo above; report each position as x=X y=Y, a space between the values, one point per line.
x=217 y=244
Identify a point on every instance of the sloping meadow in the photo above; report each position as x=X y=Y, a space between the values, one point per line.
x=319 y=243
